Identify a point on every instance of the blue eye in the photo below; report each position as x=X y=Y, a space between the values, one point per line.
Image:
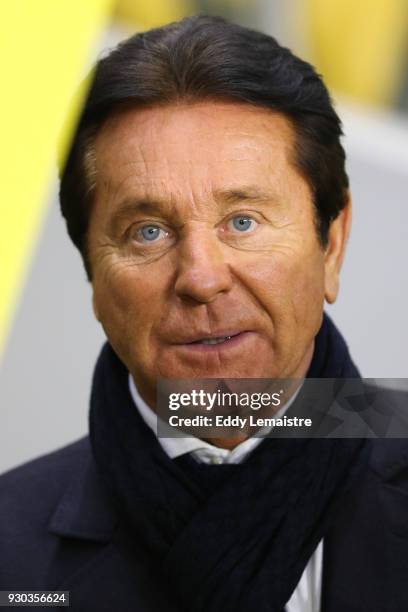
x=243 y=224
x=150 y=233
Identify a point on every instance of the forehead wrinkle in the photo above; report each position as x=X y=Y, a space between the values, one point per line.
x=194 y=190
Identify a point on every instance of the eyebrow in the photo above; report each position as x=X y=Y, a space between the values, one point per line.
x=250 y=193
x=154 y=206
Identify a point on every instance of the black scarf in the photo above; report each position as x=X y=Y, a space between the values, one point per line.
x=243 y=543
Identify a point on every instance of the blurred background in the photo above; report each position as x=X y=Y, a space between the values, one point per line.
x=48 y=338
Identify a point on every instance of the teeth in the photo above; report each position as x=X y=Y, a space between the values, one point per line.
x=215 y=340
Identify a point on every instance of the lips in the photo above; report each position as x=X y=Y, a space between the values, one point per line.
x=211 y=341
x=217 y=337
x=214 y=343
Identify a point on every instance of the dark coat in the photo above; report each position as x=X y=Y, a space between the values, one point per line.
x=58 y=531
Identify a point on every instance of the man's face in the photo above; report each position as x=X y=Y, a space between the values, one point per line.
x=203 y=248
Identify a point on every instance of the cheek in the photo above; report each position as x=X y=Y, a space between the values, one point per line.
x=126 y=305
x=288 y=285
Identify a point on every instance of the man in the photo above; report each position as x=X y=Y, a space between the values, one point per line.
x=206 y=191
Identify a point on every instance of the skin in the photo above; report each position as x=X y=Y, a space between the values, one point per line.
x=234 y=249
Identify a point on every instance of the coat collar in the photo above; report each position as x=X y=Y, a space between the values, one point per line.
x=390 y=457
x=84 y=510
x=109 y=576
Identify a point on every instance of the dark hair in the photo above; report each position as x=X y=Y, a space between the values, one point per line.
x=208 y=58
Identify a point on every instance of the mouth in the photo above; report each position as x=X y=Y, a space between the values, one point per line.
x=212 y=341
x=216 y=342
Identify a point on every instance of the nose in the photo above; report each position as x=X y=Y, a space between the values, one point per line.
x=202 y=270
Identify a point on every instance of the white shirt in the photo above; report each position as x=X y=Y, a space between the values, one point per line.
x=306 y=596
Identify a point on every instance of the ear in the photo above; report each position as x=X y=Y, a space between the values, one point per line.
x=334 y=254
x=95 y=306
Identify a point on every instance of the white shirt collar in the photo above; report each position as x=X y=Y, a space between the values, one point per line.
x=200 y=449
